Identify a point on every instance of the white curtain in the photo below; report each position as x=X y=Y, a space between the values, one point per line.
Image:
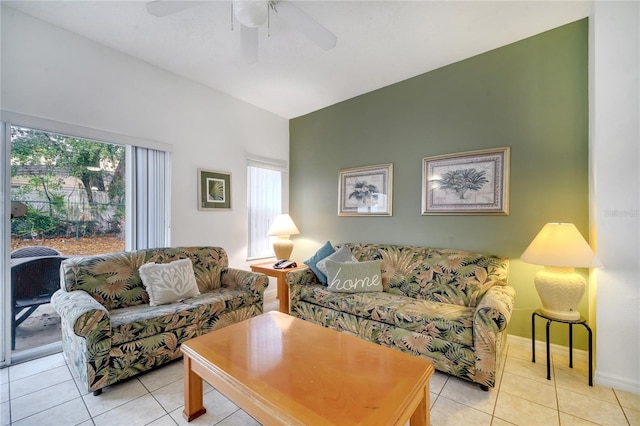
x=148 y=198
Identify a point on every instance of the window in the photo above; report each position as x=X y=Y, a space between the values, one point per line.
x=264 y=204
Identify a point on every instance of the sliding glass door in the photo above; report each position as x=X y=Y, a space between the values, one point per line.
x=67 y=196
x=68 y=199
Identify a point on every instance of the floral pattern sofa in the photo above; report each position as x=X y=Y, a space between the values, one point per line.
x=110 y=332
x=449 y=306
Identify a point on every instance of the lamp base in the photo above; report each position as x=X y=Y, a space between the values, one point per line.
x=560 y=290
x=283 y=247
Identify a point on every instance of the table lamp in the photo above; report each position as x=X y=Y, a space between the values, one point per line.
x=282 y=227
x=560 y=248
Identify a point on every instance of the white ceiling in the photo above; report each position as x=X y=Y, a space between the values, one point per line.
x=379 y=42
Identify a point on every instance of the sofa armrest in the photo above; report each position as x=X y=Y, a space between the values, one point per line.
x=238 y=279
x=80 y=311
x=495 y=307
x=304 y=276
x=491 y=318
x=86 y=336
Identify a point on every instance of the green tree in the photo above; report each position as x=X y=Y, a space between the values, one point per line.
x=44 y=160
x=43 y=157
x=34 y=155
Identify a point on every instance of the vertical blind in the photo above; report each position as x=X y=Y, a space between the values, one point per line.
x=148 y=198
x=264 y=204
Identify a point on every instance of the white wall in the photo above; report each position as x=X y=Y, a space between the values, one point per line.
x=615 y=194
x=51 y=73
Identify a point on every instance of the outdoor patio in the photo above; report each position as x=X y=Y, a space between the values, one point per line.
x=41 y=328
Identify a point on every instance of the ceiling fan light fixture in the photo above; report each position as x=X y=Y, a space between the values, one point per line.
x=251 y=13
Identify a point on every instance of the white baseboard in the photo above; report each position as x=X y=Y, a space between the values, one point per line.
x=617 y=382
x=579 y=355
x=525 y=343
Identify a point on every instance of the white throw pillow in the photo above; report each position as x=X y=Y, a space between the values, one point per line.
x=342 y=255
x=169 y=282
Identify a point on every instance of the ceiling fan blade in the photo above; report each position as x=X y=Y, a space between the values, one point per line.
x=249 y=43
x=162 y=8
x=308 y=26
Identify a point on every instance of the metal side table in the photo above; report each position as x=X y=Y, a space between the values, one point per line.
x=571 y=323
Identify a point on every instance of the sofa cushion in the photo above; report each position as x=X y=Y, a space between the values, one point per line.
x=341 y=255
x=169 y=282
x=439 y=320
x=452 y=323
x=114 y=281
x=195 y=315
x=354 y=277
x=450 y=276
x=217 y=308
x=137 y=322
x=324 y=251
x=446 y=356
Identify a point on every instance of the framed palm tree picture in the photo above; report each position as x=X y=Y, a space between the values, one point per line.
x=473 y=182
x=366 y=191
x=214 y=190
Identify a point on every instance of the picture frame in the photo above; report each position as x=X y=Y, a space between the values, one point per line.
x=366 y=191
x=467 y=183
x=214 y=190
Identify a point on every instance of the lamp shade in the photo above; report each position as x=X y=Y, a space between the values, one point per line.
x=283 y=225
x=560 y=245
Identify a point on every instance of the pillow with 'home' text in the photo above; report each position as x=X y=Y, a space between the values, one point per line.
x=354 y=277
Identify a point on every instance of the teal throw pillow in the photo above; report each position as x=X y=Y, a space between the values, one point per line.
x=354 y=277
x=324 y=251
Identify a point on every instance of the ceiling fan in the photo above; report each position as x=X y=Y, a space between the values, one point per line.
x=251 y=14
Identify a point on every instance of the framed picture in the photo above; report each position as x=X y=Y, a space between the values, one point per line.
x=365 y=191
x=214 y=190
x=474 y=182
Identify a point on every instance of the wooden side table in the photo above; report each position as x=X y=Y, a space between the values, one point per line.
x=279 y=274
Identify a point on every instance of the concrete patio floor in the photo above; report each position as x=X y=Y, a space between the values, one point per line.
x=41 y=328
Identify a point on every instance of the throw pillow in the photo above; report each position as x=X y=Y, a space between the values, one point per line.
x=169 y=282
x=312 y=262
x=342 y=255
x=354 y=277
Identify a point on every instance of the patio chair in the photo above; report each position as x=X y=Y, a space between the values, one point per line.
x=34 y=251
x=33 y=282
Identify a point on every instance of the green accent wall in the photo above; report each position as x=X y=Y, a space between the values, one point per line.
x=531 y=95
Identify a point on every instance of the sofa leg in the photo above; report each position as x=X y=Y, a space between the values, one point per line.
x=484 y=388
x=97 y=392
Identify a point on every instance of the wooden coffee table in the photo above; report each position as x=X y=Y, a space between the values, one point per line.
x=283 y=370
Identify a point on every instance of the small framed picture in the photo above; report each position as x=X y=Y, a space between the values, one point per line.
x=366 y=191
x=214 y=190
x=467 y=183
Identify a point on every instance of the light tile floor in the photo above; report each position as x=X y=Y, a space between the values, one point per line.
x=44 y=392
